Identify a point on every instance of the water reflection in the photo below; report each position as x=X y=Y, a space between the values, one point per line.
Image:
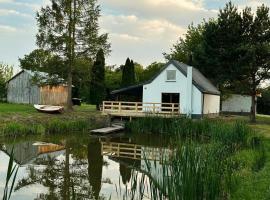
x=78 y=167
x=95 y=162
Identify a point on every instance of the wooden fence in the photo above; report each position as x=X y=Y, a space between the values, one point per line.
x=138 y=108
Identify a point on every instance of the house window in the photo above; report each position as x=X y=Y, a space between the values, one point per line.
x=171 y=75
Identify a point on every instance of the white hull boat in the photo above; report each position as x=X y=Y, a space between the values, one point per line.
x=49 y=109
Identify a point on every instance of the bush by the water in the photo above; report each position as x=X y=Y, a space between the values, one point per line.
x=14 y=129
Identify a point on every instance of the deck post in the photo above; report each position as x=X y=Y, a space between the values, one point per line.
x=173 y=108
x=120 y=104
x=103 y=107
x=136 y=107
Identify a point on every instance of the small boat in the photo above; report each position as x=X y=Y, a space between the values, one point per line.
x=49 y=109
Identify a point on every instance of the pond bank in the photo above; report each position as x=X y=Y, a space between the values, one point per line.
x=24 y=120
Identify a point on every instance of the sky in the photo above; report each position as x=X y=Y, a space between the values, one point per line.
x=139 y=29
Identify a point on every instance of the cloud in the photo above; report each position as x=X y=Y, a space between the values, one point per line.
x=7 y=12
x=144 y=29
x=5 y=28
x=6 y=1
x=144 y=40
x=181 y=12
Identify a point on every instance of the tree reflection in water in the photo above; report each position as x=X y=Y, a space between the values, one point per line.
x=67 y=177
x=95 y=162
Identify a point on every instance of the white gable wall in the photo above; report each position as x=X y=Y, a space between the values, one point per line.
x=152 y=92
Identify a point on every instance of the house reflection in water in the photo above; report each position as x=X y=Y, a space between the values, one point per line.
x=27 y=152
x=133 y=156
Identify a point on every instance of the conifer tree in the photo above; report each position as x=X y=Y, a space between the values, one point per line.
x=97 y=84
x=128 y=73
x=125 y=73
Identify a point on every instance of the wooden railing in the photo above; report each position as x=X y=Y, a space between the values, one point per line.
x=120 y=107
x=133 y=151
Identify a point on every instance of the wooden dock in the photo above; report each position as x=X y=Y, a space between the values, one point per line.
x=139 y=109
x=108 y=130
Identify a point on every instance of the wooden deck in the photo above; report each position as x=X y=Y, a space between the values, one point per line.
x=139 y=109
x=108 y=130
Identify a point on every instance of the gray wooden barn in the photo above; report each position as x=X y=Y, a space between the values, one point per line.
x=22 y=89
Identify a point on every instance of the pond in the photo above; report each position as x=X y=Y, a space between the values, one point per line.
x=80 y=166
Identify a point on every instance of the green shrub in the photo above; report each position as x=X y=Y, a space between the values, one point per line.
x=14 y=129
x=60 y=126
x=17 y=129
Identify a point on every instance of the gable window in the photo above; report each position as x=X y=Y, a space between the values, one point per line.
x=171 y=75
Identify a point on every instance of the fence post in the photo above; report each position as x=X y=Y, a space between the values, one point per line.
x=136 y=107
x=173 y=108
x=154 y=108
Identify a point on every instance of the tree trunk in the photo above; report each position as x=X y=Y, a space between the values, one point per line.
x=66 y=191
x=69 y=96
x=253 y=103
x=253 y=108
x=71 y=30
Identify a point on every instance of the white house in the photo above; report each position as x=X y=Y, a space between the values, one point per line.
x=180 y=84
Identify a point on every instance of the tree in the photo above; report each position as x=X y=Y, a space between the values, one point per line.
x=185 y=47
x=97 y=84
x=256 y=44
x=151 y=70
x=6 y=72
x=113 y=78
x=69 y=28
x=128 y=73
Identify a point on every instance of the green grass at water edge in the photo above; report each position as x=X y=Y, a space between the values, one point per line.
x=56 y=126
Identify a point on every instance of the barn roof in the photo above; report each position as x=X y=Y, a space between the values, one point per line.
x=42 y=75
x=199 y=80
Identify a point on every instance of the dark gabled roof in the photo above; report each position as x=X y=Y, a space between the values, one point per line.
x=199 y=80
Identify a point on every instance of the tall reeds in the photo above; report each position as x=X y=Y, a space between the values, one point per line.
x=11 y=177
x=197 y=170
x=194 y=173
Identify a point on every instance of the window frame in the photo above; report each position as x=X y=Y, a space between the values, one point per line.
x=170 y=80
